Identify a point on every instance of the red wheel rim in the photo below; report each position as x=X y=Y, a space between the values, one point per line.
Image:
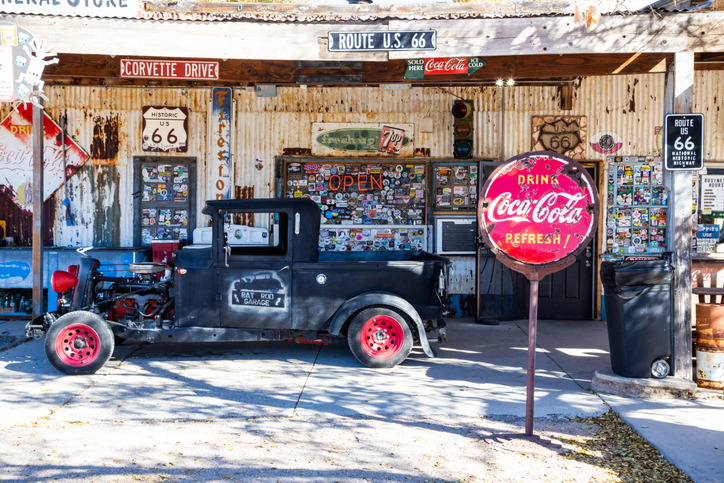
x=77 y=345
x=382 y=337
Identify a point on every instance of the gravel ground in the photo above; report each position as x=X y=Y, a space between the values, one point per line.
x=324 y=449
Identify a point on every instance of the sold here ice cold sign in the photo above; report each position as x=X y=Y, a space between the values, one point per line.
x=684 y=141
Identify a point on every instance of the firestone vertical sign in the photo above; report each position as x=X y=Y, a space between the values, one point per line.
x=220 y=124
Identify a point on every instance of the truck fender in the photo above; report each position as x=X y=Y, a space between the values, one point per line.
x=368 y=299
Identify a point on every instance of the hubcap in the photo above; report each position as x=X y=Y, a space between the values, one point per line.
x=382 y=337
x=77 y=345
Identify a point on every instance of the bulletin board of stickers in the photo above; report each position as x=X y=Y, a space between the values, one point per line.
x=361 y=193
x=636 y=205
x=456 y=187
x=362 y=238
x=165 y=201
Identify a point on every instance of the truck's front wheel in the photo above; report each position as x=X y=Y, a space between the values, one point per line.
x=79 y=343
x=379 y=337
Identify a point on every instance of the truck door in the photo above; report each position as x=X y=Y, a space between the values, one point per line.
x=255 y=272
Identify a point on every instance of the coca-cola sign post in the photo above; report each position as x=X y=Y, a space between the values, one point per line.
x=537 y=211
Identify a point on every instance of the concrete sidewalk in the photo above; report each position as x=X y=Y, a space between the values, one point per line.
x=480 y=371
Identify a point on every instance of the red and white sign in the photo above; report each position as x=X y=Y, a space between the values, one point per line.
x=169 y=69
x=446 y=65
x=391 y=140
x=16 y=156
x=538 y=208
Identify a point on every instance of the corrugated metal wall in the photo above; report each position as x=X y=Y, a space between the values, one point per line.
x=101 y=193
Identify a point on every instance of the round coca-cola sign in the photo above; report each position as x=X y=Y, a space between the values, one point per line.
x=538 y=211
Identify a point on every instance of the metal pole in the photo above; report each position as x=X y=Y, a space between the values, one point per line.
x=37 y=210
x=532 y=328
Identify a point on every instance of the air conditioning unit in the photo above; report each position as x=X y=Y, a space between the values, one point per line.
x=456 y=235
x=236 y=235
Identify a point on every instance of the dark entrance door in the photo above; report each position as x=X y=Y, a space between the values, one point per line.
x=568 y=294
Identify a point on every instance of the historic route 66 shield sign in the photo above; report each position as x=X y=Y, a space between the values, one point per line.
x=537 y=211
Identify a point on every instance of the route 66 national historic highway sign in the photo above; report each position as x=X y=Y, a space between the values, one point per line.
x=684 y=141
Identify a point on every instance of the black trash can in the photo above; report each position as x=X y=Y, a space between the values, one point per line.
x=637 y=295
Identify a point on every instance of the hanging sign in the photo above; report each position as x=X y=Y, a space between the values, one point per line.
x=419 y=68
x=369 y=40
x=220 y=124
x=169 y=69
x=537 y=211
x=165 y=129
x=16 y=156
x=684 y=141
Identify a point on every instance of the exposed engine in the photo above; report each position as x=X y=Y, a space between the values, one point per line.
x=140 y=301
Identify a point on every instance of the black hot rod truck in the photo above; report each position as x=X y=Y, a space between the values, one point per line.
x=278 y=288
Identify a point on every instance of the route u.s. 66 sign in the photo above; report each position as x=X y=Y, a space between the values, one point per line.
x=537 y=211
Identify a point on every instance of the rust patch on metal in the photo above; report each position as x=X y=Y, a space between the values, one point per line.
x=297 y=152
x=244 y=193
x=105 y=139
x=422 y=152
x=104 y=182
x=19 y=224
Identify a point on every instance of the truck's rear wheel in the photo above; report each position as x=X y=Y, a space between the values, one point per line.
x=79 y=343
x=379 y=337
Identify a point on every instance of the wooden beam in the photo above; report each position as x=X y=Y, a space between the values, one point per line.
x=644 y=33
x=672 y=32
x=679 y=98
x=37 y=191
x=74 y=69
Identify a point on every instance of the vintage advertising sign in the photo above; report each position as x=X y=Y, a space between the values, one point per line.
x=16 y=157
x=361 y=139
x=75 y=8
x=220 y=129
x=419 y=68
x=537 y=211
x=561 y=134
x=369 y=40
x=391 y=140
x=684 y=141
x=169 y=69
x=165 y=129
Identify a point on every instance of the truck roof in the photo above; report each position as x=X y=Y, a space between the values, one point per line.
x=306 y=243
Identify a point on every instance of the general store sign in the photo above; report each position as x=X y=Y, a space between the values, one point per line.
x=16 y=157
x=385 y=40
x=419 y=68
x=75 y=8
x=220 y=124
x=165 y=129
x=362 y=139
x=538 y=209
x=169 y=69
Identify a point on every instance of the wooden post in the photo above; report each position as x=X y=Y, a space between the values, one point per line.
x=679 y=99
x=37 y=210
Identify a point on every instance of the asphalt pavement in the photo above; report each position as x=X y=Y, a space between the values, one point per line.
x=479 y=373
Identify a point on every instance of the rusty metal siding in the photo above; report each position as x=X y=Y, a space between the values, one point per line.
x=107 y=123
x=462 y=278
x=708 y=98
